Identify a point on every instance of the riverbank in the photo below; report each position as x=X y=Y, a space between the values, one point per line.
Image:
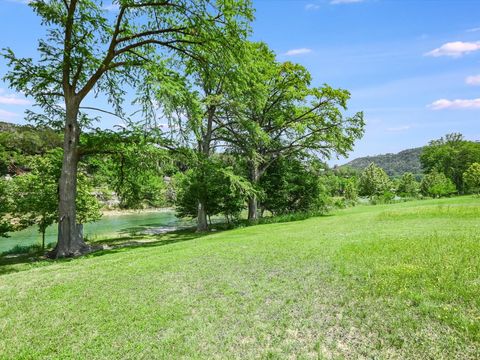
x=113 y=225
x=120 y=212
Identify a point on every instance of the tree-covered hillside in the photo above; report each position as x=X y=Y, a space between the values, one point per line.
x=20 y=141
x=393 y=164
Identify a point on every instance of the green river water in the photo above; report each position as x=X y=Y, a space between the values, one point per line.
x=109 y=225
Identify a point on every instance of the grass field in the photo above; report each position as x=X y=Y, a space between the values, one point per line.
x=388 y=281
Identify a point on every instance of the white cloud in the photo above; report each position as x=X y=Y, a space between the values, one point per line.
x=312 y=7
x=455 y=49
x=399 y=128
x=12 y=99
x=474 y=29
x=7 y=115
x=336 y=2
x=455 y=104
x=300 y=51
x=20 y=1
x=473 y=80
x=111 y=7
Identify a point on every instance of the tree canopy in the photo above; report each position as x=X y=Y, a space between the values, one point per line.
x=88 y=51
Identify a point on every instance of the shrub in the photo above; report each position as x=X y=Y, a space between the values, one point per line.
x=436 y=184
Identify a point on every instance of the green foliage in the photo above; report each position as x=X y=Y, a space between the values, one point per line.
x=374 y=182
x=279 y=113
x=350 y=192
x=36 y=195
x=18 y=142
x=471 y=177
x=290 y=185
x=436 y=184
x=218 y=187
x=6 y=198
x=408 y=186
x=36 y=192
x=88 y=206
x=452 y=156
x=138 y=176
x=87 y=49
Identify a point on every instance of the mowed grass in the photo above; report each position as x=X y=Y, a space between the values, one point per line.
x=388 y=281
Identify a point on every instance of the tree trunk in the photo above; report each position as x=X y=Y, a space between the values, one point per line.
x=70 y=241
x=43 y=241
x=252 y=200
x=252 y=208
x=204 y=150
x=202 y=224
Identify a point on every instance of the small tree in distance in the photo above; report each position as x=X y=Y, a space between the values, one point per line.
x=350 y=192
x=36 y=197
x=5 y=207
x=471 y=177
x=374 y=181
x=436 y=184
x=408 y=186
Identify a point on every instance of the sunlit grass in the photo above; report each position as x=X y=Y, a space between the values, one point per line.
x=386 y=281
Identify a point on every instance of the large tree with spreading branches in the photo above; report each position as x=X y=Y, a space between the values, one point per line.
x=279 y=113
x=88 y=51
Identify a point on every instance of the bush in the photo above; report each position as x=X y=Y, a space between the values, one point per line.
x=408 y=187
x=292 y=186
x=222 y=191
x=374 y=181
x=471 y=177
x=436 y=184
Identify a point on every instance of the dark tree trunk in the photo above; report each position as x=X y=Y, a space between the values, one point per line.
x=204 y=149
x=70 y=240
x=254 y=176
x=43 y=241
x=202 y=224
x=252 y=208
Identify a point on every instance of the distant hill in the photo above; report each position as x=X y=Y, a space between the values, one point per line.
x=393 y=164
x=19 y=141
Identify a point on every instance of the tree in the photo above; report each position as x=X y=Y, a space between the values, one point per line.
x=450 y=155
x=87 y=50
x=408 y=186
x=193 y=101
x=471 y=177
x=436 y=184
x=291 y=185
x=374 y=181
x=350 y=192
x=219 y=188
x=279 y=113
x=5 y=207
x=36 y=195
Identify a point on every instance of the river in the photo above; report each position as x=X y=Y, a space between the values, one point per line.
x=108 y=225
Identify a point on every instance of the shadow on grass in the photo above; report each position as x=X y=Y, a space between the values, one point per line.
x=127 y=243
x=21 y=262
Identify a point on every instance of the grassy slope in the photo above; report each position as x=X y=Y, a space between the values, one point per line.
x=389 y=281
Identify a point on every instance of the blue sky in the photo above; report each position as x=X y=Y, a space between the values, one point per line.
x=413 y=67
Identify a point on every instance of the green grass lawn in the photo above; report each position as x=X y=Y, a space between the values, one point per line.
x=387 y=281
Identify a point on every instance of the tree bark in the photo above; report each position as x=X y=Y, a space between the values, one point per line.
x=252 y=208
x=202 y=224
x=70 y=240
x=204 y=150
x=254 y=176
